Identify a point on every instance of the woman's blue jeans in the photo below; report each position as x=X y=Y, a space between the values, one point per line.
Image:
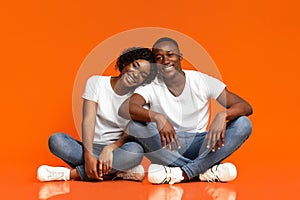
x=71 y=151
x=193 y=157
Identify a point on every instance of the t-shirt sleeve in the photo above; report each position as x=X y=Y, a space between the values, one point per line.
x=145 y=92
x=215 y=86
x=91 y=89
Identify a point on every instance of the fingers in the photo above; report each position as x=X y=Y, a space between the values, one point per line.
x=168 y=141
x=94 y=173
x=177 y=142
x=104 y=167
x=223 y=137
x=100 y=168
x=213 y=140
x=110 y=165
x=162 y=139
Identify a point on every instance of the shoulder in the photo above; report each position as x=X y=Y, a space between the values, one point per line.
x=96 y=79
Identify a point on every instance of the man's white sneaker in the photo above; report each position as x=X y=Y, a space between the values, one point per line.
x=159 y=174
x=220 y=173
x=137 y=173
x=48 y=173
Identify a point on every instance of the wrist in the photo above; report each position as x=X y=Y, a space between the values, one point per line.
x=223 y=114
x=110 y=147
x=157 y=118
x=87 y=155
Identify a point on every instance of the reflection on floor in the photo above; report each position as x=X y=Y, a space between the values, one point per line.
x=62 y=189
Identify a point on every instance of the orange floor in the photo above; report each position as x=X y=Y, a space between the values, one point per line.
x=253 y=182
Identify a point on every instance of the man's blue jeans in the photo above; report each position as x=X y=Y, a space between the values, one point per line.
x=194 y=157
x=71 y=151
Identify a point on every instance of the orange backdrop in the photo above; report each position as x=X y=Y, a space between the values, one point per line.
x=255 y=45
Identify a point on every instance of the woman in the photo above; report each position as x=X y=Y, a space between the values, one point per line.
x=105 y=150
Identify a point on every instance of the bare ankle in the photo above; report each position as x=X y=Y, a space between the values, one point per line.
x=74 y=174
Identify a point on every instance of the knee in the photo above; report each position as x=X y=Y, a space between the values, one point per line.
x=136 y=151
x=142 y=130
x=135 y=147
x=55 y=141
x=244 y=125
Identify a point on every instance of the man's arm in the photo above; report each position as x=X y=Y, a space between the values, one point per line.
x=235 y=107
x=133 y=109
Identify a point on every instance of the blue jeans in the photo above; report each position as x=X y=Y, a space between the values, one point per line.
x=71 y=151
x=193 y=157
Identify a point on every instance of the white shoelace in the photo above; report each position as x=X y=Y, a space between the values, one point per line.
x=211 y=176
x=56 y=175
x=171 y=177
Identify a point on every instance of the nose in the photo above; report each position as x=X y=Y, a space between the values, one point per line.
x=165 y=60
x=136 y=73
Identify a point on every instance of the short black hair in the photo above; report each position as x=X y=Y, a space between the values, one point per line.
x=166 y=39
x=135 y=53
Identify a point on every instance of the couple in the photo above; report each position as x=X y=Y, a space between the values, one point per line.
x=171 y=133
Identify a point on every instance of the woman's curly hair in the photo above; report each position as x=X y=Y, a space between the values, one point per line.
x=134 y=53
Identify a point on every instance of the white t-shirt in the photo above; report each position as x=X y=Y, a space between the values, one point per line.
x=189 y=112
x=109 y=125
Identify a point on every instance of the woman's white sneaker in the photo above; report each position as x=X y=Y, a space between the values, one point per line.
x=48 y=173
x=159 y=174
x=219 y=173
x=137 y=174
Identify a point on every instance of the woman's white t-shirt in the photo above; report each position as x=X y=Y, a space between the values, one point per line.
x=188 y=112
x=109 y=125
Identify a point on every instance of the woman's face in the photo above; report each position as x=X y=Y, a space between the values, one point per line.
x=135 y=73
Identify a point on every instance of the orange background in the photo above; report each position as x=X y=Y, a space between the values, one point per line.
x=255 y=45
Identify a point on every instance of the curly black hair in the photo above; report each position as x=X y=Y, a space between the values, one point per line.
x=134 y=53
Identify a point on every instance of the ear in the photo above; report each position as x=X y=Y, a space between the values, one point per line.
x=180 y=56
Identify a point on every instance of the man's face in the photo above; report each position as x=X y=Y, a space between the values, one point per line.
x=168 y=58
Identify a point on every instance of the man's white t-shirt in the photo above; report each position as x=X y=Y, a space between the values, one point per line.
x=189 y=112
x=109 y=125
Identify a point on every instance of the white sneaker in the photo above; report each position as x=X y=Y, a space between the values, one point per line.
x=159 y=174
x=48 y=173
x=137 y=174
x=220 y=173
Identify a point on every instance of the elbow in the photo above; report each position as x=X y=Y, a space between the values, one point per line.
x=124 y=110
x=249 y=110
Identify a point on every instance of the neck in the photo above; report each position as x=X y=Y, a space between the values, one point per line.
x=177 y=80
x=176 y=83
x=118 y=87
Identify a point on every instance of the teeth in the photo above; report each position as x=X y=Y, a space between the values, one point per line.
x=131 y=79
x=168 y=68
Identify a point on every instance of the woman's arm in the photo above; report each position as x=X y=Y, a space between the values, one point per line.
x=88 y=131
x=106 y=156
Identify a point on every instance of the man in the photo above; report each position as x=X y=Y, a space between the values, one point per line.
x=177 y=120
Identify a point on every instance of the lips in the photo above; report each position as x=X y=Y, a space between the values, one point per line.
x=131 y=79
x=166 y=68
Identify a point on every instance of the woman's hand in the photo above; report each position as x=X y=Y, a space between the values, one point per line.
x=216 y=133
x=106 y=159
x=91 y=167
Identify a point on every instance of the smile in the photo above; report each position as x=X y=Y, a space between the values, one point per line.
x=168 y=68
x=132 y=80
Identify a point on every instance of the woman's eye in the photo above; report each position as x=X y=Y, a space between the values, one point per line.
x=158 y=58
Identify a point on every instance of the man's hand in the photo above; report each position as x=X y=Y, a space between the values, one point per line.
x=167 y=133
x=216 y=133
x=91 y=166
x=106 y=159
